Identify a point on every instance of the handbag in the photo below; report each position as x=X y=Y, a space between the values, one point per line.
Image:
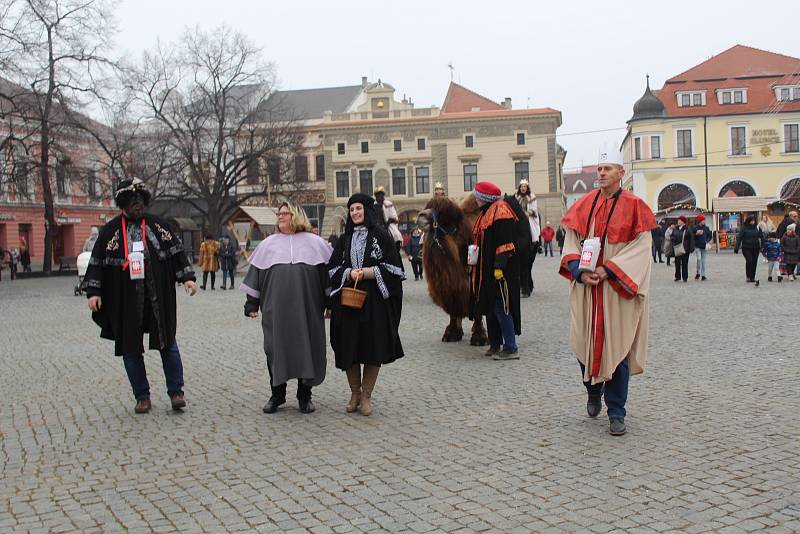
x=679 y=249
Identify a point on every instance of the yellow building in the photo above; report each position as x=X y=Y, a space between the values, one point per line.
x=721 y=137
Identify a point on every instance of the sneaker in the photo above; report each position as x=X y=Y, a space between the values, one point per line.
x=617 y=427
x=178 y=401
x=506 y=355
x=593 y=406
x=492 y=351
x=142 y=406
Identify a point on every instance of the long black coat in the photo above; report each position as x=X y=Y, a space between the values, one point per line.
x=125 y=316
x=498 y=235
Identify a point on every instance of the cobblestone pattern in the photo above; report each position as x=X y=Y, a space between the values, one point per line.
x=457 y=443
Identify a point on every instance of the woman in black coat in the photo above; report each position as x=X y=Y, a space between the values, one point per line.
x=750 y=240
x=368 y=336
x=681 y=234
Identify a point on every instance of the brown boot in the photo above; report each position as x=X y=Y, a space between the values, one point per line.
x=354 y=378
x=367 y=385
x=142 y=406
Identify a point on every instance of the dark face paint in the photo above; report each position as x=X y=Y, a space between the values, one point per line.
x=135 y=207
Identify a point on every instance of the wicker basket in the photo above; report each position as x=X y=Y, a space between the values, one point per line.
x=352 y=297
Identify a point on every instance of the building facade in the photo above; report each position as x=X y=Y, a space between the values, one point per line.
x=383 y=142
x=578 y=183
x=721 y=137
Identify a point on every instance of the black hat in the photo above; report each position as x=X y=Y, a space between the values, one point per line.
x=126 y=190
x=361 y=198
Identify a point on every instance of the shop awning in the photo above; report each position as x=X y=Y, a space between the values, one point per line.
x=741 y=204
x=263 y=216
x=185 y=223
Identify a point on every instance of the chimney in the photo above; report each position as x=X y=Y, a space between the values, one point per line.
x=507 y=102
x=363 y=82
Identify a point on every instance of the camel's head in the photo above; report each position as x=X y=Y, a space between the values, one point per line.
x=441 y=211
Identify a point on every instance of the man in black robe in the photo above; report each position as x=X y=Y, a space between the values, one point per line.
x=124 y=306
x=496 y=276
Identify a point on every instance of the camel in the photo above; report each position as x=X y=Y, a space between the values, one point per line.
x=448 y=233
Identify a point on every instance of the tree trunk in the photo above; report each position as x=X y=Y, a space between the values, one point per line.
x=50 y=225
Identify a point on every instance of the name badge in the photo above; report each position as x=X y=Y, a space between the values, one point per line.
x=137 y=246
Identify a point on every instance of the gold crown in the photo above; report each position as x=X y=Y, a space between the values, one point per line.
x=438 y=185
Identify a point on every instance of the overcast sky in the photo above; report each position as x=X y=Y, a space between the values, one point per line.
x=587 y=59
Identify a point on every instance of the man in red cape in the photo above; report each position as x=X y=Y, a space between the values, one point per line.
x=609 y=308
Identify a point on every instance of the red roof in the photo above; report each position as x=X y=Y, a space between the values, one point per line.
x=739 y=67
x=587 y=175
x=460 y=99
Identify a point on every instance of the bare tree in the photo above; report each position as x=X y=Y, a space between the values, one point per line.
x=54 y=49
x=211 y=93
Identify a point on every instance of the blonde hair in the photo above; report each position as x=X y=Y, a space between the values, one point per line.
x=299 y=221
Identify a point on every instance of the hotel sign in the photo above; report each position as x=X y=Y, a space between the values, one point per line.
x=765 y=136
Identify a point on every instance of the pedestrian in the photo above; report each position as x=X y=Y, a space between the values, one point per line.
x=609 y=308
x=560 y=235
x=288 y=282
x=682 y=248
x=547 y=236
x=773 y=254
x=228 y=255
x=332 y=239
x=388 y=217
x=496 y=271
x=702 y=238
x=13 y=262
x=209 y=260
x=2 y=262
x=527 y=201
x=790 y=218
x=750 y=241
x=668 y=252
x=25 y=257
x=790 y=245
x=414 y=251
x=88 y=245
x=657 y=234
x=130 y=284
x=365 y=256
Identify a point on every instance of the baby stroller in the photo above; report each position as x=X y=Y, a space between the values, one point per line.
x=83 y=264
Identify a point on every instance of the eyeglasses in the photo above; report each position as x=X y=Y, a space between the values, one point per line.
x=284 y=213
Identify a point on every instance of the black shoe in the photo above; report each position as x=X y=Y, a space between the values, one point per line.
x=222 y=288
x=697 y=277
x=203 y=288
x=307 y=406
x=769 y=279
x=593 y=406
x=677 y=279
x=272 y=405
x=525 y=295
x=506 y=355
x=780 y=279
x=492 y=351
x=703 y=278
x=212 y=288
x=758 y=282
x=617 y=427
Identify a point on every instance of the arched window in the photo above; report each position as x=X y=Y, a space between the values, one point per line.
x=737 y=188
x=790 y=192
x=675 y=195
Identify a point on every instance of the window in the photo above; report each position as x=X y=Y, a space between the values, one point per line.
x=738 y=97
x=785 y=93
x=655 y=147
x=791 y=141
x=61 y=179
x=796 y=93
x=315 y=212
x=726 y=97
x=252 y=172
x=91 y=183
x=521 y=138
x=470 y=176
x=423 y=180
x=738 y=143
x=301 y=168
x=274 y=170
x=420 y=143
x=520 y=172
x=340 y=148
x=398 y=181
x=319 y=166
x=686 y=100
x=342 y=184
x=469 y=141
x=365 y=147
x=684 y=144
x=398 y=145
x=21 y=170
x=697 y=99
x=365 y=181
x=637 y=148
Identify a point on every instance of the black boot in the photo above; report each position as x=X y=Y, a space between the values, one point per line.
x=593 y=406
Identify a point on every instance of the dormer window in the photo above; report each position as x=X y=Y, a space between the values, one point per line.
x=691 y=98
x=786 y=93
x=731 y=96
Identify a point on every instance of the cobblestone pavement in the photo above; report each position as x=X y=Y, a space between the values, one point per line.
x=458 y=442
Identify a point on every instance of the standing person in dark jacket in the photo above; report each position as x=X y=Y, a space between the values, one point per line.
x=227 y=260
x=702 y=237
x=791 y=218
x=657 y=234
x=414 y=251
x=790 y=243
x=561 y=236
x=750 y=241
x=682 y=234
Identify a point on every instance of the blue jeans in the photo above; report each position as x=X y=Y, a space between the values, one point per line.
x=225 y=274
x=700 y=253
x=615 y=390
x=173 y=372
x=500 y=326
x=548 y=245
